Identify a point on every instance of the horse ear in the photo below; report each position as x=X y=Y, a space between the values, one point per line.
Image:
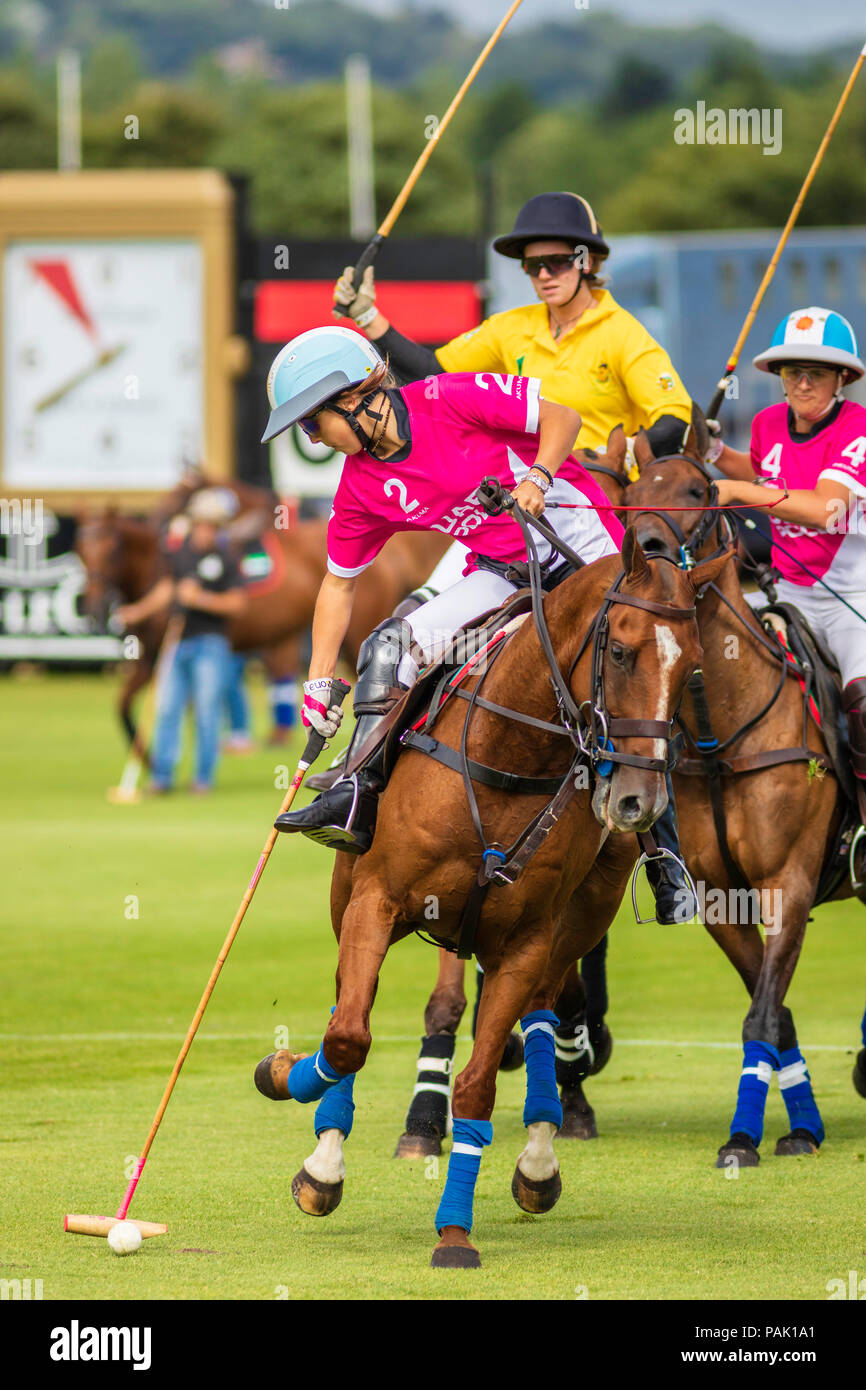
x=643 y=450
x=616 y=448
x=634 y=562
x=697 y=440
x=708 y=571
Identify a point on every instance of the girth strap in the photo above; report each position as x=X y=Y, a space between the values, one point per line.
x=708 y=746
x=480 y=772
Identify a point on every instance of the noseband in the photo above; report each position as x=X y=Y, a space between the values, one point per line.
x=689 y=545
x=596 y=730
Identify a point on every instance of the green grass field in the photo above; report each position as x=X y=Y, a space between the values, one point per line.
x=95 y=1003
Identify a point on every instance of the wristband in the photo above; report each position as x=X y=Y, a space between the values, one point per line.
x=362 y=320
x=549 y=476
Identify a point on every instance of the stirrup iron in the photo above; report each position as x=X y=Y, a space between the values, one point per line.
x=651 y=859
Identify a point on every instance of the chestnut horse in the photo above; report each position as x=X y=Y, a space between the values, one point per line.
x=427 y=1118
x=123 y=559
x=619 y=638
x=781 y=821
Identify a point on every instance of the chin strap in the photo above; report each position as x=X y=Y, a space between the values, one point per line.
x=367 y=441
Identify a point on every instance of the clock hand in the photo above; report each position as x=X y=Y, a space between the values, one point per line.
x=105 y=357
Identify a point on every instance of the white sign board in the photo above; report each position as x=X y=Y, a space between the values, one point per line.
x=102 y=363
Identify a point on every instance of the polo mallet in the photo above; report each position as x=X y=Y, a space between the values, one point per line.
x=371 y=251
x=127 y=792
x=101 y=1225
x=716 y=402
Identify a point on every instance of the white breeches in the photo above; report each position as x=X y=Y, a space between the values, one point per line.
x=842 y=630
x=434 y=623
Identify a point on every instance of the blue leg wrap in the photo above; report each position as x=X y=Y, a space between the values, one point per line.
x=469 y=1138
x=336 y=1109
x=542 y=1097
x=310 y=1078
x=796 y=1087
x=863 y=1030
x=284 y=703
x=760 y=1060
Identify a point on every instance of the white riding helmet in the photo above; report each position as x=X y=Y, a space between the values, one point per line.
x=813 y=335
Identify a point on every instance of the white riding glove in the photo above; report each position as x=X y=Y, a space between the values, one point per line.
x=715 y=446
x=315 y=714
x=357 y=305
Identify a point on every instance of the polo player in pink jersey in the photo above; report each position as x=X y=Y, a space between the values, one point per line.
x=414 y=460
x=808 y=455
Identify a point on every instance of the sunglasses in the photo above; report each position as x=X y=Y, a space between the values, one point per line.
x=816 y=376
x=308 y=424
x=554 y=265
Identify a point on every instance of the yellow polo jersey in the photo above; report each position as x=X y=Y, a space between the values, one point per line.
x=607 y=366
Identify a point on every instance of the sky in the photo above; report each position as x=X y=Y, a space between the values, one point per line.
x=788 y=24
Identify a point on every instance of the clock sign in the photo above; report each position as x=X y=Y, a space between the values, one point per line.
x=103 y=372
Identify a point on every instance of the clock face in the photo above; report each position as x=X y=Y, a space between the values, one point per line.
x=103 y=371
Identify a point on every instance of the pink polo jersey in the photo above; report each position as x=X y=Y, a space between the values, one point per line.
x=837 y=555
x=462 y=428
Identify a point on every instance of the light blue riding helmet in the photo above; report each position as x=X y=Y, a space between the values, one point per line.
x=813 y=335
x=309 y=370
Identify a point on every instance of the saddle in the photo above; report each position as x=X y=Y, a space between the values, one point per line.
x=466 y=643
x=822 y=682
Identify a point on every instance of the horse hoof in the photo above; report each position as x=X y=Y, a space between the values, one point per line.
x=536 y=1197
x=578 y=1116
x=740 y=1148
x=272 y=1075
x=858 y=1076
x=512 y=1057
x=418 y=1146
x=454 y=1251
x=799 y=1141
x=314 y=1197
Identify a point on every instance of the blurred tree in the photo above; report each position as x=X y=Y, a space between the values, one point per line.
x=495 y=115
x=635 y=86
x=28 y=126
x=112 y=72
x=300 y=185
x=175 y=127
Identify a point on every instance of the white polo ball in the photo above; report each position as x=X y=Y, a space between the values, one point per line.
x=124 y=1238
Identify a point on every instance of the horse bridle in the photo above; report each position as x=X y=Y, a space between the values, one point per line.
x=601 y=728
x=591 y=734
x=689 y=545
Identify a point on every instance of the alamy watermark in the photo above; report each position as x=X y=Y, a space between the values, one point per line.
x=23 y=517
x=739 y=907
x=737 y=126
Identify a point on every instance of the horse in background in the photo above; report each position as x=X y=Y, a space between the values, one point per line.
x=753 y=750
x=123 y=559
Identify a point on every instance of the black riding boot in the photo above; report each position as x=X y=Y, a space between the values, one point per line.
x=675 y=901
x=344 y=817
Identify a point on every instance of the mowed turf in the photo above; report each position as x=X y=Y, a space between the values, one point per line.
x=95 y=1002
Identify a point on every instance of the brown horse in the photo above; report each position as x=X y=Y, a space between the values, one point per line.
x=763 y=838
x=123 y=559
x=428 y=1115
x=622 y=642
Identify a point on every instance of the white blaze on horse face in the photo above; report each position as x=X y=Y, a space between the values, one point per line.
x=669 y=651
